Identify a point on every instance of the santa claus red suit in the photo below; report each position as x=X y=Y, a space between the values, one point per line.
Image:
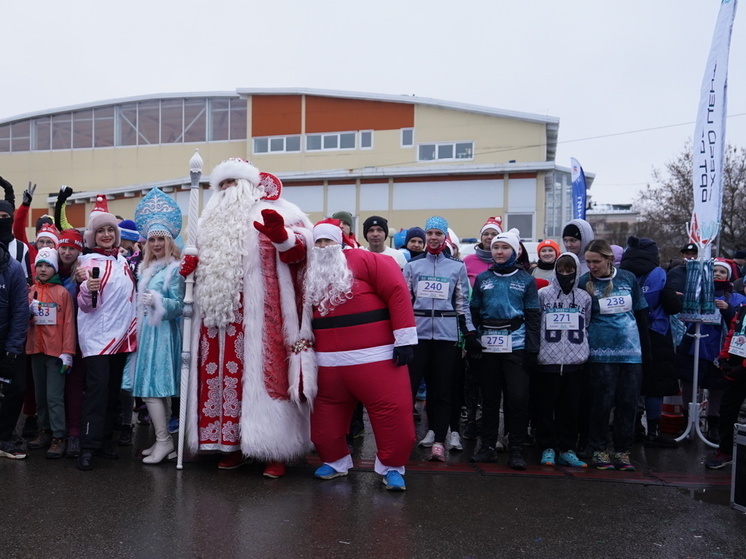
x=363 y=332
x=254 y=373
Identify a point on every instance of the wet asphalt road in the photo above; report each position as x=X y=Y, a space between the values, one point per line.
x=671 y=507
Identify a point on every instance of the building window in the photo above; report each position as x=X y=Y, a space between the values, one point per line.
x=332 y=141
x=165 y=121
x=366 y=139
x=5 y=138
x=407 y=137
x=21 y=136
x=446 y=151
x=277 y=144
x=524 y=222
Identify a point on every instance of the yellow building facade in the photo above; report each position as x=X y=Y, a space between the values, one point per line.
x=402 y=157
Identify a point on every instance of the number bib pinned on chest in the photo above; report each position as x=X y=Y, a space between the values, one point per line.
x=432 y=287
x=46 y=314
x=562 y=319
x=616 y=304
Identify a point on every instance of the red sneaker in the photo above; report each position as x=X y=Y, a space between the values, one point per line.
x=274 y=470
x=232 y=460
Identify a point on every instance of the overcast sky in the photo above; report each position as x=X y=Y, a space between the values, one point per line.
x=622 y=77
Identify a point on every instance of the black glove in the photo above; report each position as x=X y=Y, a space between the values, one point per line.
x=403 y=355
x=28 y=195
x=9 y=194
x=472 y=345
x=530 y=361
x=8 y=364
x=65 y=192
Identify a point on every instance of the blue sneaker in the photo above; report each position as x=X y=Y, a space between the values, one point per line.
x=547 y=457
x=327 y=472
x=394 y=481
x=571 y=459
x=173 y=425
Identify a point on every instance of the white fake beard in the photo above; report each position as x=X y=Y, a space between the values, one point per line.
x=223 y=229
x=328 y=282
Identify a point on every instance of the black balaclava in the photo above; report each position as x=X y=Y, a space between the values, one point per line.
x=566 y=282
x=6 y=223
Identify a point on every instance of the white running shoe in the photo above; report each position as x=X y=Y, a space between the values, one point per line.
x=429 y=439
x=454 y=441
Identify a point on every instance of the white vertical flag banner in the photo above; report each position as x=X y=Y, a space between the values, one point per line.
x=709 y=135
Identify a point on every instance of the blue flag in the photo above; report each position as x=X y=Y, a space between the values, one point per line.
x=578 y=190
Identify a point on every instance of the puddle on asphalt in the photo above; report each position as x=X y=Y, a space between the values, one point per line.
x=713 y=496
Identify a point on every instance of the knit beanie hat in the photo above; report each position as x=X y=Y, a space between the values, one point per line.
x=729 y=266
x=572 y=230
x=376 y=220
x=48 y=255
x=512 y=237
x=43 y=220
x=71 y=238
x=6 y=207
x=641 y=248
x=414 y=232
x=437 y=222
x=50 y=232
x=550 y=244
x=495 y=223
x=344 y=217
x=128 y=230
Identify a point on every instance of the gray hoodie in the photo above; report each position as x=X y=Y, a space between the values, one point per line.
x=586 y=236
x=564 y=350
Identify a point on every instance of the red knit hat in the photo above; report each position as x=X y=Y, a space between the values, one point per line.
x=71 y=238
x=548 y=243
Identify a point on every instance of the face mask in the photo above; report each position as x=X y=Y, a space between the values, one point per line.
x=566 y=282
x=6 y=229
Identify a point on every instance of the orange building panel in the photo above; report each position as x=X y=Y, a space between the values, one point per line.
x=76 y=215
x=332 y=114
x=275 y=115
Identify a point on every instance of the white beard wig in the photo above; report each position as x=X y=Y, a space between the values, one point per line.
x=328 y=281
x=221 y=238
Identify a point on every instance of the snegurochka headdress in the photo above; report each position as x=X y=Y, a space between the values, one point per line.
x=158 y=215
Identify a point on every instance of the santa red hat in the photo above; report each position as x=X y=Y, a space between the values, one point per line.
x=100 y=217
x=71 y=238
x=495 y=223
x=328 y=229
x=50 y=232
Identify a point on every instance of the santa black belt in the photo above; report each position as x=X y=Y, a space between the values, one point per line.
x=435 y=314
x=347 y=320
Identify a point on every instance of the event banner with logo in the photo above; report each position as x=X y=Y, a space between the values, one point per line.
x=578 y=190
x=709 y=134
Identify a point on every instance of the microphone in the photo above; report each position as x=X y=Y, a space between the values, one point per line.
x=94 y=296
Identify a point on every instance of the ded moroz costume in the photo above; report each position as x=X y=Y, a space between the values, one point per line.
x=254 y=374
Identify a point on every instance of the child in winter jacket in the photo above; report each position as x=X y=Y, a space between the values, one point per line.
x=563 y=351
x=50 y=345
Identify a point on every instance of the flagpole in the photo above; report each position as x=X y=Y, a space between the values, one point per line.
x=195 y=173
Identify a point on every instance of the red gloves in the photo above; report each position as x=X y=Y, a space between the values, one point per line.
x=188 y=265
x=273 y=227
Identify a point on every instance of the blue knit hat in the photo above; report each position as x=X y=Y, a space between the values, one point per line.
x=436 y=222
x=128 y=229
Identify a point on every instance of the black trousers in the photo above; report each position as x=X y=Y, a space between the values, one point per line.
x=733 y=397
x=557 y=399
x=504 y=373
x=435 y=360
x=11 y=405
x=101 y=403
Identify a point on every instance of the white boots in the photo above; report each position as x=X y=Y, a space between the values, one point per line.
x=164 y=443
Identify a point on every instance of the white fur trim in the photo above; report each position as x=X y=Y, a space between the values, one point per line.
x=405 y=336
x=157 y=310
x=270 y=429
x=234 y=169
x=288 y=243
x=355 y=357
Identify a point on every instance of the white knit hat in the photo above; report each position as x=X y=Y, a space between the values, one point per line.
x=512 y=237
x=48 y=255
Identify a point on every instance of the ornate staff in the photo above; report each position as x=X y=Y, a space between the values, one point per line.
x=195 y=172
